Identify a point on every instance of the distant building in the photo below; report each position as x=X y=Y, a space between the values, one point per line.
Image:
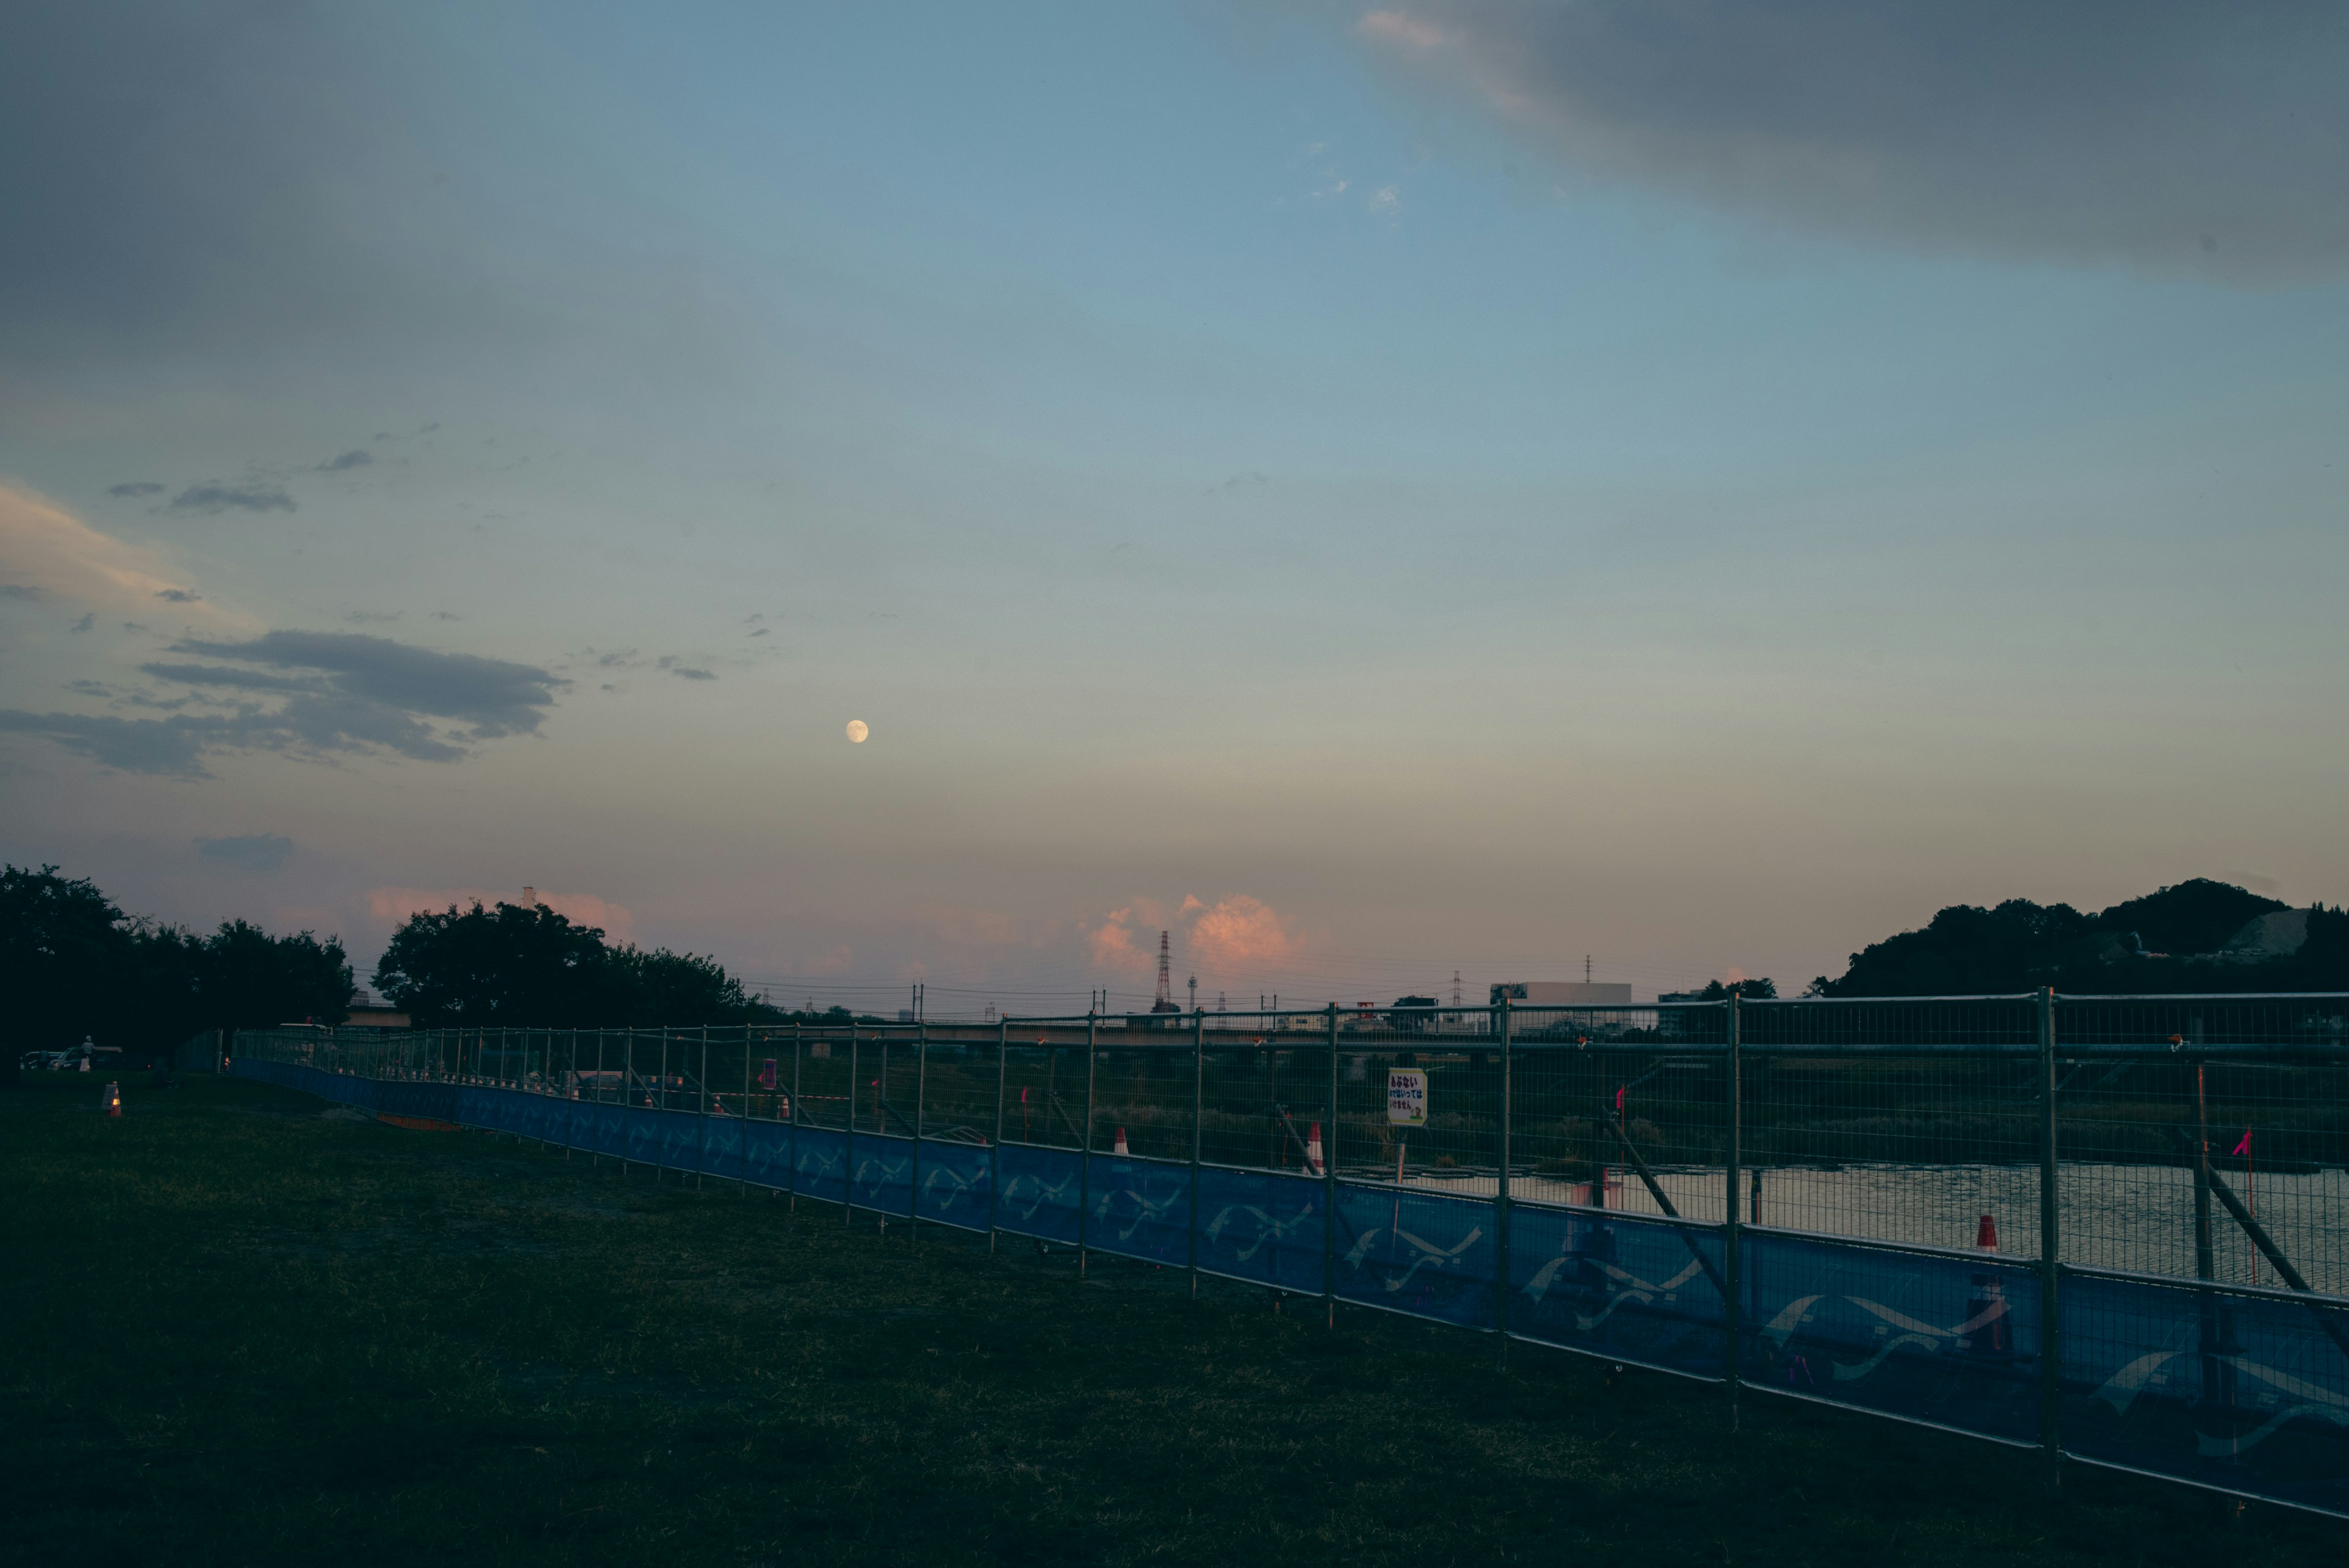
x=2266 y=939
x=367 y=1012
x=1561 y=993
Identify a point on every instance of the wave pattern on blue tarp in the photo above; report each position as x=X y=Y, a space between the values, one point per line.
x=640 y=1127
x=722 y=1146
x=957 y=1178
x=881 y=1172
x=1430 y=1257
x=2249 y=1393
x=2242 y=1392
x=1948 y=1340
x=1041 y=1194
x=1139 y=1208
x=1255 y=1225
x=604 y=1128
x=680 y=1140
x=1614 y=1285
x=767 y=1153
x=819 y=1164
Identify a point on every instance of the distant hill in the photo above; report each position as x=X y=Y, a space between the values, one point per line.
x=2199 y=935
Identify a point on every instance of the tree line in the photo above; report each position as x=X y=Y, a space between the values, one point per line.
x=2168 y=941
x=524 y=965
x=78 y=967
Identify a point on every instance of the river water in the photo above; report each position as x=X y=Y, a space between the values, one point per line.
x=2135 y=1217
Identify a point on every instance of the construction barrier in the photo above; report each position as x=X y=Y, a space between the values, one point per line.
x=1551 y=1209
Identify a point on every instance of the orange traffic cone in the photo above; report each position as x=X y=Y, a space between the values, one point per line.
x=112 y=1100
x=1119 y=1148
x=1986 y=1329
x=1314 y=1150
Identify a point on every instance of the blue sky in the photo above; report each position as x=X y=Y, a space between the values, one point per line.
x=1375 y=491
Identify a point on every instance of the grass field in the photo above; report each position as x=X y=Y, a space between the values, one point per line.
x=243 y=1329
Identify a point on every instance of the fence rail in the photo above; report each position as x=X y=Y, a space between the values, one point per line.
x=2114 y=1229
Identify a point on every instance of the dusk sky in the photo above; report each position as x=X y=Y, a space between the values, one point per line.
x=1377 y=491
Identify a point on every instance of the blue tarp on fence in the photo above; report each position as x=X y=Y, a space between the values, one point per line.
x=819 y=1164
x=2265 y=1410
x=1040 y=1191
x=1409 y=1251
x=767 y=1153
x=2245 y=1392
x=1948 y=1340
x=1629 y=1289
x=881 y=1172
x=956 y=1180
x=1140 y=1208
x=1259 y=1226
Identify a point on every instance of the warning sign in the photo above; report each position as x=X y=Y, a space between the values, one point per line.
x=1406 y=1098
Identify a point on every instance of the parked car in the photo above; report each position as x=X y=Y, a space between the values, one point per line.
x=36 y=1061
x=84 y=1057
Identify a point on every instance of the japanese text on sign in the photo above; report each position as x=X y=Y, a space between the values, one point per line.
x=1406 y=1098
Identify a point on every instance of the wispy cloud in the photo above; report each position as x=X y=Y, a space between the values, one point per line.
x=58 y=556
x=215 y=497
x=355 y=458
x=135 y=488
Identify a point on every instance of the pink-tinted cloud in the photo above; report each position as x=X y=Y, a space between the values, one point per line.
x=49 y=552
x=1239 y=933
x=390 y=906
x=1113 y=947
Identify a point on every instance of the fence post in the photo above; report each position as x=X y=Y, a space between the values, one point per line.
x=921 y=1089
x=1330 y=1187
x=849 y=1169
x=792 y=1173
x=1501 y=1191
x=1732 y=1238
x=2209 y=1327
x=1085 y=1159
x=1198 y=1106
x=2051 y=1339
x=995 y=1150
x=701 y=1109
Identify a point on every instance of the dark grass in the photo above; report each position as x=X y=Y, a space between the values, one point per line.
x=242 y=1331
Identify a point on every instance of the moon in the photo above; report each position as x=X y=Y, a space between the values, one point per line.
x=857 y=730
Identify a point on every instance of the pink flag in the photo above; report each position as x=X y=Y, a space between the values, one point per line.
x=2244 y=1148
x=1618 y=1101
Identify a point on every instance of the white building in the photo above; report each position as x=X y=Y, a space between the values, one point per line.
x=1562 y=994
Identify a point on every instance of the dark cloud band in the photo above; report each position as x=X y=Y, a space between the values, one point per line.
x=336 y=692
x=2203 y=138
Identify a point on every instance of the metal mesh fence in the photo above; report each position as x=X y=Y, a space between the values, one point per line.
x=1845 y=1201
